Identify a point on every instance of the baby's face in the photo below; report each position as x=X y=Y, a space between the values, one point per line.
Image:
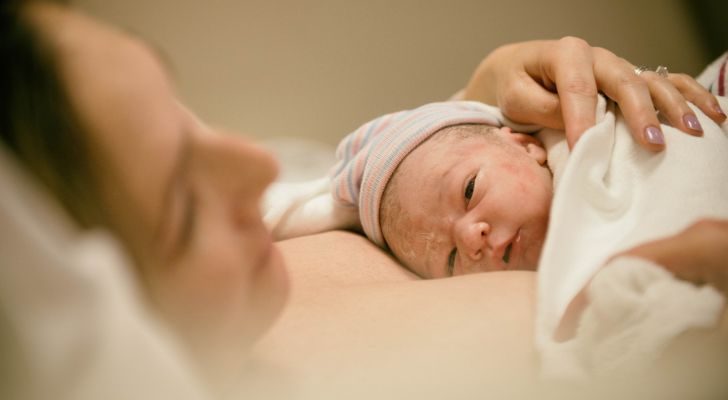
x=469 y=203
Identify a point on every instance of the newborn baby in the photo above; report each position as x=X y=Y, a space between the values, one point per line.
x=448 y=189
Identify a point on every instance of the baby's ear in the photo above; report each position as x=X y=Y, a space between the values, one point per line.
x=533 y=147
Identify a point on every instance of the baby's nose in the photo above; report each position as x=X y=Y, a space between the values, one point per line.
x=474 y=239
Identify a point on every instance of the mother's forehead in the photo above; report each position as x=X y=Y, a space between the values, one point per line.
x=64 y=25
x=74 y=35
x=123 y=100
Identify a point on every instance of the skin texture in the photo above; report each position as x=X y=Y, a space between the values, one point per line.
x=182 y=197
x=508 y=207
x=394 y=330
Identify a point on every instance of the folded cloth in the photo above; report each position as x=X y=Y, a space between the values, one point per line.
x=292 y=209
x=612 y=196
x=635 y=309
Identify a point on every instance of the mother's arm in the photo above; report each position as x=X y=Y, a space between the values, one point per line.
x=354 y=312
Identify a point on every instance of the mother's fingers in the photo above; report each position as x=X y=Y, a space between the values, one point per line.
x=693 y=92
x=526 y=101
x=698 y=254
x=617 y=79
x=672 y=103
x=569 y=64
x=555 y=84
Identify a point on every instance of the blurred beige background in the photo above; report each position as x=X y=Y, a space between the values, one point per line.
x=320 y=68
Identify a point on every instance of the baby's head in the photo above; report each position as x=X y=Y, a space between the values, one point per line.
x=447 y=190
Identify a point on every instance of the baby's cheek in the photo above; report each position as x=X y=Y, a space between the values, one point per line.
x=510 y=168
x=520 y=180
x=528 y=178
x=415 y=260
x=410 y=243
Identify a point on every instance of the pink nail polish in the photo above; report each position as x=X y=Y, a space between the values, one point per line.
x=692 y=122
x=654 y=135
x=719 y=110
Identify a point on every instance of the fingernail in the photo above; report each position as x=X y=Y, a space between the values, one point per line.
x=719 y=110
x=692 y=122
x=654 y=135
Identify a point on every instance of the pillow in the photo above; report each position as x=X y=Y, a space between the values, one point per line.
x=73 y=321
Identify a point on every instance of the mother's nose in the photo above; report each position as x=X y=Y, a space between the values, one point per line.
x=238 y=171
x=248 y=167
x=472 y=238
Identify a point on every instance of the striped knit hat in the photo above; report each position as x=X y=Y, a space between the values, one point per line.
x=368 y=157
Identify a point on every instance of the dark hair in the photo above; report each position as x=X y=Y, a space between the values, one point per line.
x=38 y=124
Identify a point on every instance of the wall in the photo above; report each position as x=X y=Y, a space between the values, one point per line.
x=319 y=68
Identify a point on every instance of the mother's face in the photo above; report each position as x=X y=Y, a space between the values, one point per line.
x=183 y=198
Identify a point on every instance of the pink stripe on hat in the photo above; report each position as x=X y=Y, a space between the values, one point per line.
x=369 y=156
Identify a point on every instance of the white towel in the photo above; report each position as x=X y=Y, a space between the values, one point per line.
x=292 y=209
x=612 y=196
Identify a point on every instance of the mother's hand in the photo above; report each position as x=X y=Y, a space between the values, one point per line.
x=698 y=254
x=555 y=83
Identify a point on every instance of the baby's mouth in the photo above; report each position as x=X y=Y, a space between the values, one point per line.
x=507 y=254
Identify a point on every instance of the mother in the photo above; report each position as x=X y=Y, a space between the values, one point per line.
x=91 y=114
